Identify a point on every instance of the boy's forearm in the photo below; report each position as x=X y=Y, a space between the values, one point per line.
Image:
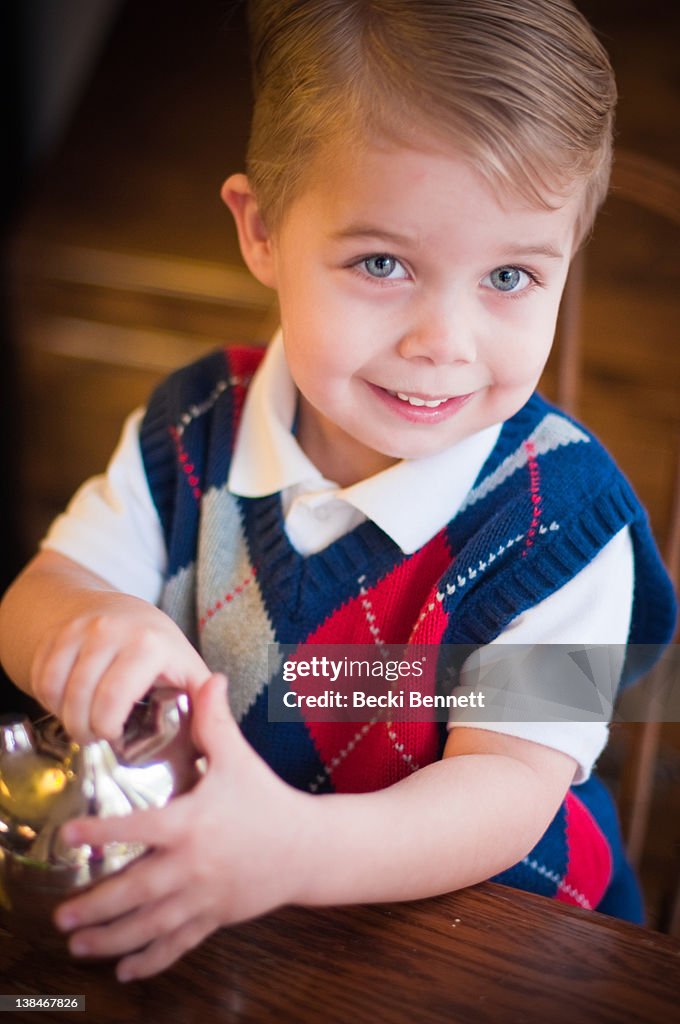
x=452 y=824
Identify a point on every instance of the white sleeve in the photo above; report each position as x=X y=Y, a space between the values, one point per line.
x=111 y=525
x=592 y=608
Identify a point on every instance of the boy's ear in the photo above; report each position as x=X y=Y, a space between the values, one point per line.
x=254 y=239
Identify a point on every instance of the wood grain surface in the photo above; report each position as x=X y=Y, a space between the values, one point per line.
x=486 y=954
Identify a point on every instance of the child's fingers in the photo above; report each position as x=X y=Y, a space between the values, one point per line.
x=92 y=669
x=91 y=664
x=51 y=666
x=166 y=950
x=134 y=930
x=131 y=675
x=148 y=882
x=214 y=730
x=127 y=678
x=153 y=826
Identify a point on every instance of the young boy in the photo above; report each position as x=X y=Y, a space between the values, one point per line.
x=419 y=177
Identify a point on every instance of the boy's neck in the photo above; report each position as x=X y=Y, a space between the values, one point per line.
x=337 y=456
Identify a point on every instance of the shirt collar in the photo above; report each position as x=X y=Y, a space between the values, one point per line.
x=267 y=457
x=410 y=501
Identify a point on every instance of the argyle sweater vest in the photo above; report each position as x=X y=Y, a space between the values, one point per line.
x=546 y=501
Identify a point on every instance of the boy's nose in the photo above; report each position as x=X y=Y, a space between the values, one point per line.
x=441 y=339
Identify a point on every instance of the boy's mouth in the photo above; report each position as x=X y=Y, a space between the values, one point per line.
x=417 y=400
x=421 y=407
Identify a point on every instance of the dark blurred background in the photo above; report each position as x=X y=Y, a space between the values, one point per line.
x=122 y=117
x=49 y=52
x=83 y=81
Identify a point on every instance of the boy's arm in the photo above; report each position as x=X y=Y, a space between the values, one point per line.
x=455 y=822
x=243 y=842
x=85 y=650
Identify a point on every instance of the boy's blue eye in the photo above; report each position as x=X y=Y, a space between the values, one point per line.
x=383 y=266
x=507 y=279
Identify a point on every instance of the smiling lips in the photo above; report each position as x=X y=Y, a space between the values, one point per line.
x=431 y=403
x=418 y=408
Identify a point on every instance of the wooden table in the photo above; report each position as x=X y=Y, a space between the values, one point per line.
x=485 y=954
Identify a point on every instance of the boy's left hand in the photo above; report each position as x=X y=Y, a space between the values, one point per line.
x=218 y=855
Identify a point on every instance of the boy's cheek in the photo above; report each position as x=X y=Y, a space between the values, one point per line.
x=520 y=365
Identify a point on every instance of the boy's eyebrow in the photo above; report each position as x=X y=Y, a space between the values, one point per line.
x=372 y=231
x=547 y=249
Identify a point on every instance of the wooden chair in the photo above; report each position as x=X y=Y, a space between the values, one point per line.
x=646 y=183
x=654 y=187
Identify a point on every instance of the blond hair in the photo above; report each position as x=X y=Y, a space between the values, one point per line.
x=524 y=90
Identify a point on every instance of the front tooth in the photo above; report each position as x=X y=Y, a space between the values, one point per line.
x=412 y=400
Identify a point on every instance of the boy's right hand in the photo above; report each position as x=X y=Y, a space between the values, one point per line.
x=90 y=670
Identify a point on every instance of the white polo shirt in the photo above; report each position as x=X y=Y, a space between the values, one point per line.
x=112 y=528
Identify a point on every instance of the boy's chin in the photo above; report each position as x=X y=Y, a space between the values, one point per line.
x=421 y=449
